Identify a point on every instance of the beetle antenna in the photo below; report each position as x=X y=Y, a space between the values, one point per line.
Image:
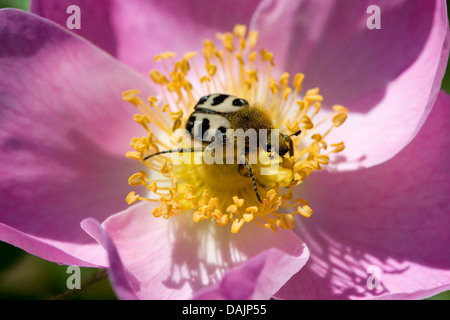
x=180 y=150
x=295 y=133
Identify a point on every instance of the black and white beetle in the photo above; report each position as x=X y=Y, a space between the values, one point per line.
x=215 y=113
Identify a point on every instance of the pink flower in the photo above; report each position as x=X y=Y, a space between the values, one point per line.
x=382 y=203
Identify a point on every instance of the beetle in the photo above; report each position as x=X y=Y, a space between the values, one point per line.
x=216 y=113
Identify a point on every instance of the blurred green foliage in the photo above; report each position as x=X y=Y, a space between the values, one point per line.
x=24 y=276
x=446 y=81
x=20 y=4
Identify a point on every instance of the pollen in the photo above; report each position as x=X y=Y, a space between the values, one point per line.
x=178 y=183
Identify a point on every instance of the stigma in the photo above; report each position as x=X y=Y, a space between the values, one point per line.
x=210 y=90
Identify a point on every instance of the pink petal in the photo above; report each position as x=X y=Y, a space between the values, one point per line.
x=388 y=78
x=258 y=278
x=95 y=19
x=136 y=31
x=178 y=259
x=64 y=132
x=394 y=216
x=116 y=272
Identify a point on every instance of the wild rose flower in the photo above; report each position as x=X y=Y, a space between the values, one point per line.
x=64 y=135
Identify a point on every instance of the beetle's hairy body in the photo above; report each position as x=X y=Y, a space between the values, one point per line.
x=250 y=118
x=214 y=115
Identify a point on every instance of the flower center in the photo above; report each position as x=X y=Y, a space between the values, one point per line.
x=186 y=174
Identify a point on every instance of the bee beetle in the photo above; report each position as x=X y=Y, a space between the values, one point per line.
x=214 y=114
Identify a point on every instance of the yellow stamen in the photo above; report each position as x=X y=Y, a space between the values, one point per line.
x=218 y=192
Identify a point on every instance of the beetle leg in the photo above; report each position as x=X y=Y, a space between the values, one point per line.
x=250 y=172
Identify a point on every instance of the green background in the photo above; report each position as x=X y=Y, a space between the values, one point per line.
x=24 y=276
